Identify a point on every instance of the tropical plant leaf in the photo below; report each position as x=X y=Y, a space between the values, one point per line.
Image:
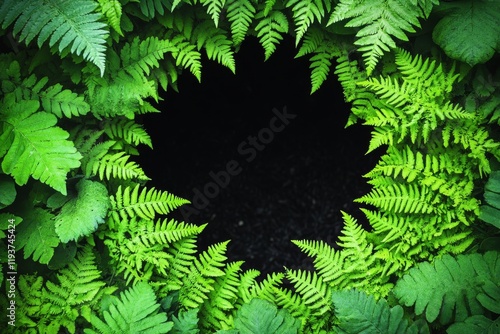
x=81 y=215
x=261 y=316
x=448 y=289
x=359 y=313
x=37 y=235
x=470 y=32
x=36 y=147
x=490 y=211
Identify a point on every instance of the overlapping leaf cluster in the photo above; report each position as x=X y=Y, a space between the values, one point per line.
x=80 y=72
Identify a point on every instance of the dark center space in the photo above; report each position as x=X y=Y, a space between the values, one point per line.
x=262 y=161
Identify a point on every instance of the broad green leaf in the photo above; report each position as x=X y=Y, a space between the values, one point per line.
x=82 y=214
x=262 y=317
x=37 y=235
x=471 y=32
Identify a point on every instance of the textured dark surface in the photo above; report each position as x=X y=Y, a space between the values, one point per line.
x=295 y=185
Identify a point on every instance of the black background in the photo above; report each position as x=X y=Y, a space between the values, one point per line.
x=293 y=189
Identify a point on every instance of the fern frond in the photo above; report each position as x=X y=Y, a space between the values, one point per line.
x=99 y=161
x=79 y=289
x=247 y=281
x=150 y=8
x=265 y=289
x=186 y=55
x=216 y=44
x=240 y=13
x=401 y=198
x=183 y=252
x=327 y=261
x=54 y=99
x=320 y=66
x=490 y=210
x=140 y=56
x=214 y=8
x=37 y=235
x=293 y=303
x=216 y=312
x=447 y=289
x=36 y=146
x=141 y=248
x=380 y=22
x=65 y=23
x=112 y=10
x=360 y=313
x=146 y=204
x=314 y=292
x=128 y=131
x=202 y=273
x=270 y=29
x=135 y=310
x=305 y=13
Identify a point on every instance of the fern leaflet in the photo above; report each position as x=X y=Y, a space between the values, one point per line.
x=65 y=22
x=130 y=203
x=135 y=310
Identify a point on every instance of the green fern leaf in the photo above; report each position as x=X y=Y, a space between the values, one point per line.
x=128 y=131
x=240 y=13
x=182 y=254
x=261 y=316
x=263 y=290
x=77 y=291
x=401 y=198
x=141 y=248
x=186 y=322
x=216 y=312
x=380 y=21
x=320 y=65
x=475 y=324
x=139 y=57
x=29 y=300
x=135 y=310
x=216 y=44
x=470 y=32
x=106 y=165
x=130 y=203
x=81 y=215
x=305 y=12
x=490 y=211
x=315 y=293
x=293 y=303
x=37 y=147
x=214 y=8
x=359 y=313
x=270 y=30
x=63 y=102
x=37 y=235
x=448 y=288
x=313 y=39
x=200 y=280
x=186 y=55
x=66 y=23
x=112 y=10
x=327 y=261
x=150 y=8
